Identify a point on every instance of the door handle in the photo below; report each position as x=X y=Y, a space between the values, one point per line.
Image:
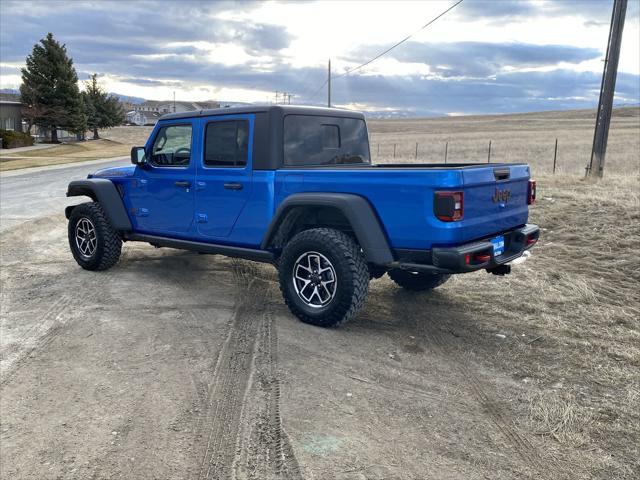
x=233 y=186
x=183 y=183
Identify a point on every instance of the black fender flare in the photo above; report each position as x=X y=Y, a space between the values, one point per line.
x=103 y=191
x=356 y=209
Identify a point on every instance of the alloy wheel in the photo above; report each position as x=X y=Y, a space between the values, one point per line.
x=314 y=279
x=86 y=237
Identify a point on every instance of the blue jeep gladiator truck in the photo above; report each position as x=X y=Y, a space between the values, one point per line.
x=295 y=187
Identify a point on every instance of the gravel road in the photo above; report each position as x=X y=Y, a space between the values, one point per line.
x=174 y=365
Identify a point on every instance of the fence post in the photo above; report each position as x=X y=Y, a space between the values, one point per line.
x=416 y=150
x=555 y=156
x=489 y=156
x=394 y=150
x=446 y=148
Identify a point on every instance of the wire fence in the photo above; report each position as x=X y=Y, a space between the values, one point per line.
x=448 y=152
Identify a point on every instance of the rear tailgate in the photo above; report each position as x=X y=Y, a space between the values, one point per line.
x=495 y=200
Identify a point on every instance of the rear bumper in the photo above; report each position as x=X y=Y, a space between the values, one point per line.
x=472 y=256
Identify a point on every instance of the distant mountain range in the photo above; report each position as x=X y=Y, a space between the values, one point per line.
x=14 y=95
x=392 y=114
x=128 y=98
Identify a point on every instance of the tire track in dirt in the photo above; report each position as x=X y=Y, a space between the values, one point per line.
x=285 y=461
x=230 y=382
x=225 y=398
x=527 y=452
x=36 y=336
x=245 y=388
x=51 y=324
x=266 y=452
x=204 y=390
x=521 y=445
x=385 y=379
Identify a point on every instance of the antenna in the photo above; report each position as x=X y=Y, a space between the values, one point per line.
x=329 y=85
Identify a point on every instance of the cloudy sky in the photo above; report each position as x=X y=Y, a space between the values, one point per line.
x=485 y=56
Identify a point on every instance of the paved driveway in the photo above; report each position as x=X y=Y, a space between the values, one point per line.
x=35 y=192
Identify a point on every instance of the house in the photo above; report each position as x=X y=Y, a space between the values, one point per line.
x=140 y=118
x=10 y=115
x=147 y=113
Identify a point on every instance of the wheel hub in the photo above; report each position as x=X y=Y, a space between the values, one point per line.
x=314 y=279
x=86 y=238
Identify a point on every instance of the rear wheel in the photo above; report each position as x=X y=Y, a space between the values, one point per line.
x=94 y=243
x=323 y=277
x=416 y=281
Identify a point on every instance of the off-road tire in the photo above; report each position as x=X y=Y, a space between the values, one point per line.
x=108 y=245
x=417 y=282
x=351 y=271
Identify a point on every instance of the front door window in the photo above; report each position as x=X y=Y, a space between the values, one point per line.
x=172 y=147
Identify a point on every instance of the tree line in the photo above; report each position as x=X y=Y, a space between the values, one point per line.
x=52 y=99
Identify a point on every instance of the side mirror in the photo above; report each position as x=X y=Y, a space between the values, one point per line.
x=138 y=156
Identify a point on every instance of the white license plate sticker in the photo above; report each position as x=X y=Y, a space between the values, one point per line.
x=498 y=245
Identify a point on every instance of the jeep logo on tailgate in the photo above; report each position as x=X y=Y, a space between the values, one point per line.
x=501 y=196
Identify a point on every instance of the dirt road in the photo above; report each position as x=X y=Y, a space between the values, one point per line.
x=175 y=365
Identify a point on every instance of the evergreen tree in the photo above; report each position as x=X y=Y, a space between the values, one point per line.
x=50 y=89
x=103 y=111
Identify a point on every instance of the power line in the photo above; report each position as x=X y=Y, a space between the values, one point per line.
x=401 y=41
x=390 y=48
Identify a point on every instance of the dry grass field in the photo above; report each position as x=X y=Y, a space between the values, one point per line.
x=528 y=138
x=116 y=142
x=578 y=364
x=64 y=153
x=578 y=300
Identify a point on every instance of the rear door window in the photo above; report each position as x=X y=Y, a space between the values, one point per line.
x=226 y=144
x=320 y=140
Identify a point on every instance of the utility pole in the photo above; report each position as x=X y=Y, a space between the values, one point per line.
x=329 y=85
x=174 y=102
x=607 y=89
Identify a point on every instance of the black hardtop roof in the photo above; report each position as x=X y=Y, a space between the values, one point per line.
x=281 y=109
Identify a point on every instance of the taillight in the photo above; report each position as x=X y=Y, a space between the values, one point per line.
x=481 y=257
x=448 y=206
x=477 y=258
x=531 y=239
x=531 y=192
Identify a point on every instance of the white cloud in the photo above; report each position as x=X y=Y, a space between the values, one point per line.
x=246 y=51
x=333 y=29
x=10 y=81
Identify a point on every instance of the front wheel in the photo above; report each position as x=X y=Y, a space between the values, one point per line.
x=323 y=277
x=94 y=243
x=416 y=281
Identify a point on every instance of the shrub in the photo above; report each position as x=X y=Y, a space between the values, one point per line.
x=12 y=139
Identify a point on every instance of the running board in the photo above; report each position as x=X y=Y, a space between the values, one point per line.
x=201 y=247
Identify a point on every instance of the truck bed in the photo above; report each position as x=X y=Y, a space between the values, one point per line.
x=402 y=195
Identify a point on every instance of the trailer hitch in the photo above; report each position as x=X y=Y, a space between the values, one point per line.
x=500 y=270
